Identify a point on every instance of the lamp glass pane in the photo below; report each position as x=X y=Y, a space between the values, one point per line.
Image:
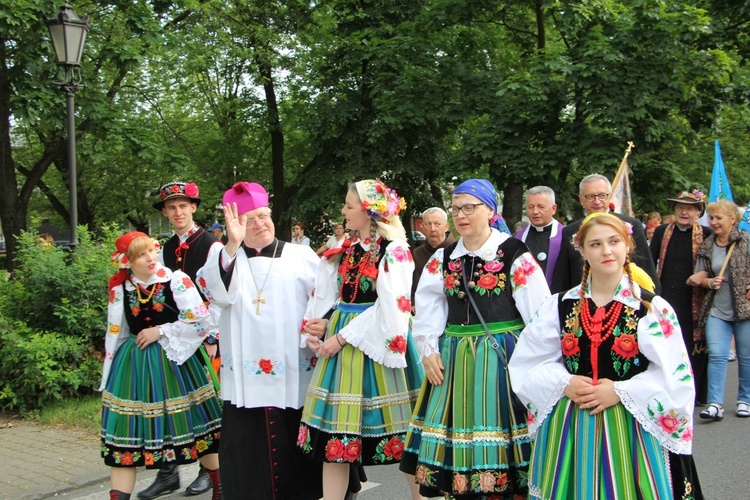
x=75 y=35
x=57 y=34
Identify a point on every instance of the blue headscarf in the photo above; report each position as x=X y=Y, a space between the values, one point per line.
x=484 y=191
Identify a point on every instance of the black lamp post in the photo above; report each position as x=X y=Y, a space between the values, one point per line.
x=68 y=33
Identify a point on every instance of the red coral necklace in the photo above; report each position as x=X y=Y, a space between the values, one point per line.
x=348 y=265
x=598 y=328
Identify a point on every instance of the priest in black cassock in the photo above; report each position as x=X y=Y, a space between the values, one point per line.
x=262 y=285
x=544 y=235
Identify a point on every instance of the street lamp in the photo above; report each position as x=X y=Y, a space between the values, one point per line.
x=68 y=33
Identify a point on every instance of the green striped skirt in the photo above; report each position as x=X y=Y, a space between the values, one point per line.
x=608 y=455
x=468 y=435
x=357 y=410
x=156 y=411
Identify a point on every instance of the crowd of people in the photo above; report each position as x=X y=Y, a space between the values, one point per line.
x=563 y=361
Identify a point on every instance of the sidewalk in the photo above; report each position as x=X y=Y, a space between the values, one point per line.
x=38 y=462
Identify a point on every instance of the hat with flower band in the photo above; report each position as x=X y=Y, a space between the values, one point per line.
x=696 y=197
x=177 y=189
x=379 y=201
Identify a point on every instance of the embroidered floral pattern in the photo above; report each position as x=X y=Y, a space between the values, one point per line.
x=425 y=476
x=345 y=449
x=398 y=254
x=525 y=268
x=303 y=439
x=404 y=304
x=433 y=266
x=489 y=481
x=396 y=344
x=667 y=323
x=624 y=350
x=389 y=449
x=487 y=278
x=158 y=297
x=264 y=366
x=676 y=426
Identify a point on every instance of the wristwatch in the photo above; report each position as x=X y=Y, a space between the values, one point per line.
x=211 y=340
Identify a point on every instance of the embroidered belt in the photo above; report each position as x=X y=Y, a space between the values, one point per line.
x=476 y=330
x=354 y=307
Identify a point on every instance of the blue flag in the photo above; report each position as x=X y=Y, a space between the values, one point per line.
x=719 y=183
x=745 y=221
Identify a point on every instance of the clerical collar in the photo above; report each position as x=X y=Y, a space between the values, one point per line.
x=683 y=229
x=265 y=251
x=187 y=234
x=541 y=229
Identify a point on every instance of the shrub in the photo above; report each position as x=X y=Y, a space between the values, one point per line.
x=52 y=321
x=39 y=367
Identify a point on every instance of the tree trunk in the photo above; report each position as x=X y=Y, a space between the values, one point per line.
x=513 y=203
x=280 y=202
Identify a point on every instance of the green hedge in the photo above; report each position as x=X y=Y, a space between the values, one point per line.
x=53 y=321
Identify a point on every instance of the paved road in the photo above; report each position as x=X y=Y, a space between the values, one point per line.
x=38 y=463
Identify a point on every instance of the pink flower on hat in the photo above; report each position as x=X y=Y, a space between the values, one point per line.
x=191 y=190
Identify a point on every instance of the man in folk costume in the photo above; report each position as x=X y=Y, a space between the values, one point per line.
x=186 y=251
x=262 y=285
x=544 y=235
x=674 y=248
x=594 y=192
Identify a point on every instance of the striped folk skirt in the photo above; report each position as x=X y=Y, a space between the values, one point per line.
x=156 y=411
x=357 y=410
x=608 y=455
x=469 y=435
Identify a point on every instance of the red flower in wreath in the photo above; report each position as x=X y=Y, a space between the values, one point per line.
x=450 y=282
x=397 y=344
x=334 y=450
x=265 y=365
x=394 y=448
x=626 y=346
x=487 y=281
x=570 y=345
x=404 y=304
x=353 y=450
x=175 y=188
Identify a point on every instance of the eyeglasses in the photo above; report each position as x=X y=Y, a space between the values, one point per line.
x=467 y=209
x=592 y=197
x=262 y=218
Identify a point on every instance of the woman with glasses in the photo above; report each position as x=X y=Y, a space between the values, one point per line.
x=468 y=435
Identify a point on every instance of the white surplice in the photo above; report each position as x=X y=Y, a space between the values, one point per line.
x=261 y=362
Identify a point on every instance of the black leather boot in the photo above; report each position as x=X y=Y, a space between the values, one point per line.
x=167 y=481
x=201 y=484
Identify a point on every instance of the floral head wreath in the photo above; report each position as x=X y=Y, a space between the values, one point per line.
x=379 y=201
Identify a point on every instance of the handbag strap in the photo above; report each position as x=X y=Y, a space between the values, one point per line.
x=494 y=343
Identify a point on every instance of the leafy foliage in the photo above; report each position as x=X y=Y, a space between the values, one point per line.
x=52 y=319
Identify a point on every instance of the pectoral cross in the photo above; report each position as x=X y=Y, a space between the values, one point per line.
x=260 y=300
